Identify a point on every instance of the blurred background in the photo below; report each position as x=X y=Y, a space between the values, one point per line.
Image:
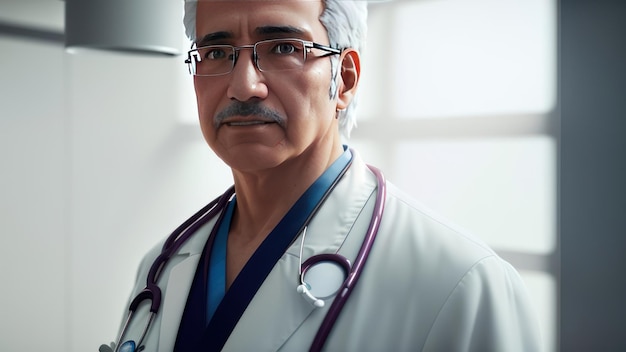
x=102 y=156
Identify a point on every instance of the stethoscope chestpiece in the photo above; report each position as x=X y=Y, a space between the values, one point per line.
x=129 y=346
x=322 y=276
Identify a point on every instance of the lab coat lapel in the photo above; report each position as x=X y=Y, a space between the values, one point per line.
x=277 y=300
x=178 y=283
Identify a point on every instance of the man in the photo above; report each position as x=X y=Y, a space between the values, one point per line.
x=275 y=82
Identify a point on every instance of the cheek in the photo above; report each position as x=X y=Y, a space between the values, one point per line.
x=206 y=100
x=313 y=89
x=321 y=107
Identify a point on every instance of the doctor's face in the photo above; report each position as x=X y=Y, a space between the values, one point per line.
x=257 y=120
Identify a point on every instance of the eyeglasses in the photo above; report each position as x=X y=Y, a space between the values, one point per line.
x=267 y=55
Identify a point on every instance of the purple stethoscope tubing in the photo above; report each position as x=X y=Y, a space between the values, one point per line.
x=346 y=288
x=187 y=229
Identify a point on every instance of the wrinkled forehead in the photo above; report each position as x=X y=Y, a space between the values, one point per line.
x=259 y=19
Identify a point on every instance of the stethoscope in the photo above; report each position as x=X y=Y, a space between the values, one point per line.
x=316 y=275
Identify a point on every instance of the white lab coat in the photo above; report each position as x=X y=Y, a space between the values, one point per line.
x=426 y=286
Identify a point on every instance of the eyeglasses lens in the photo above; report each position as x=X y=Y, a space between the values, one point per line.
x=271 y=55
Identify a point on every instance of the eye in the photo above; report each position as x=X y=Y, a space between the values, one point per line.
x=215 y=53
x=285 y=48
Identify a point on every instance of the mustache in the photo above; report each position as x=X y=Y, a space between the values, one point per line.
x=238 y=108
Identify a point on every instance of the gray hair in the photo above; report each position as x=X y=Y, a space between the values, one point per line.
x=346 y=24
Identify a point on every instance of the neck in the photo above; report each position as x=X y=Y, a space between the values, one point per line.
x=263 y=198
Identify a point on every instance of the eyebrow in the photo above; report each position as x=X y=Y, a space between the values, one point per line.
x=211 y=37
x=263 y=31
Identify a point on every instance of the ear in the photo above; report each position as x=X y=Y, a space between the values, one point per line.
x=350 y=72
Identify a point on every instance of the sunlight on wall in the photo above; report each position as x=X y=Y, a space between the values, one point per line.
x=467 y=58
x=510 y=179
x=452 y=58
x=542 y=290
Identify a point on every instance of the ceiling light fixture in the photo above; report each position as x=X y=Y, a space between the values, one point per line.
x=134 y=26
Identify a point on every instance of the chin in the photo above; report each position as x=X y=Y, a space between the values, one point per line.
x=249 y=158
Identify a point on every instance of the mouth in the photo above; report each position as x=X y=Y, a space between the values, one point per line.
x=248 y=123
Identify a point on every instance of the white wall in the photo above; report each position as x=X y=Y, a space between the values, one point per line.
x=96 y=168
x=33 y=199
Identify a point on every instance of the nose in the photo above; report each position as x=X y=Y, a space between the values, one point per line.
x=246 y=81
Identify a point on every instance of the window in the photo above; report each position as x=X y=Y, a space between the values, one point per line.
x=457 y=106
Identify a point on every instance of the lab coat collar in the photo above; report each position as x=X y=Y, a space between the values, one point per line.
x=178 y=285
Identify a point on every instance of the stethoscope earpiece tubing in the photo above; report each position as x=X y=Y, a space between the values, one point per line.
x=346 y=288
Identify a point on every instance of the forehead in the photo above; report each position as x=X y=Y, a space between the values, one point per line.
x=249 y=19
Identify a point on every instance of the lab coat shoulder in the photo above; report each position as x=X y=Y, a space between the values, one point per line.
x=190 y=248
x=487 y=311
x=174 y=281
x=431 y=286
